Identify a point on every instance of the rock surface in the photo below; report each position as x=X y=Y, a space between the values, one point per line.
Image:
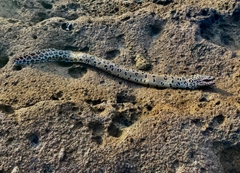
x=59 y=117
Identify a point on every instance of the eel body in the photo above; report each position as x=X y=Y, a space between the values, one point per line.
x=144 y=78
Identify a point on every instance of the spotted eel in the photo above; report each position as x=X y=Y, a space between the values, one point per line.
x=159 y=81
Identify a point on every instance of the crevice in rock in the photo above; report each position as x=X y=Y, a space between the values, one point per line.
x=220 y=30
x=77 y=71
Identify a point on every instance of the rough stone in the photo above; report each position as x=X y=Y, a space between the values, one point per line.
x=74 y=118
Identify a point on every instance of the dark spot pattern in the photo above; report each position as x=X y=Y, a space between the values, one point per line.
x=45 y=55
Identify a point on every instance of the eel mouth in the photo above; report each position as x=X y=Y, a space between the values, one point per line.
x=207 y=81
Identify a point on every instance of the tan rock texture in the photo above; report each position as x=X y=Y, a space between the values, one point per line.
x=63 y=117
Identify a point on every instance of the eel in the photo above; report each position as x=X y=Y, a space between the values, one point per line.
x=140 y=77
